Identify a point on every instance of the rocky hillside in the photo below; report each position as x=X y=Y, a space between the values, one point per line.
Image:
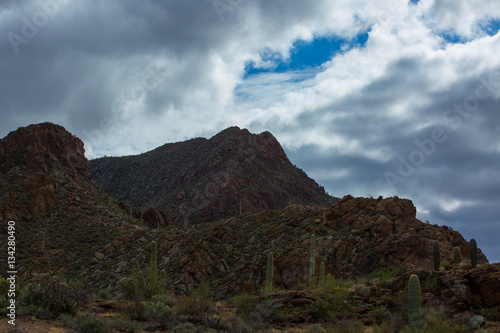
x=61 y=216
x=354 y=238
x=204 y=180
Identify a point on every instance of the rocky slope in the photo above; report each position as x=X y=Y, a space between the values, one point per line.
x=204 y=180
x=354 y=238
x=46 y=188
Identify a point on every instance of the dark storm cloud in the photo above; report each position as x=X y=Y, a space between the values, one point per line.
x=128 y=76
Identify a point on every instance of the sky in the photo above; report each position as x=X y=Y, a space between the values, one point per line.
x=369 y=98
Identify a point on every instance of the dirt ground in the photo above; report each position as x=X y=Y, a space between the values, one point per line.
x=30 y=325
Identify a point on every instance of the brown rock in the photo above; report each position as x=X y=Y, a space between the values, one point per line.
x=44 y=199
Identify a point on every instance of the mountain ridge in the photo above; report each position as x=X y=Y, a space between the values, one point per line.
x=201 y=180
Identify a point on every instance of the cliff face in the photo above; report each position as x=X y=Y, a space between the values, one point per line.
x=203 y=180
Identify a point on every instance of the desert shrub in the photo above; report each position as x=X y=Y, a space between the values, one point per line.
x=103 y=294
x=216 y=322
x=84 y=323
x=164 y=299
x=53 y=296
x=198 y=304
x=435 y=322
x=348 y=326
x=445 y=264
x=129 y=287
x=386 y=274
x=315 y=329
x=184 y=328
x=136 y=310
x=122 y=324
x=332 y=299
x=244 y=304
x=431 y=284
x=159 y=315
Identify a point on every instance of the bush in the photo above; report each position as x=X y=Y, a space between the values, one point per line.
x=164 y=299
x=52 y=297
x=122 y=324
x=184 y=328
x=84 y=323
x=159 y=315
x=103 y=294
x=386 y=274
x=244 y=304
x=332 y=299
x=198 y=304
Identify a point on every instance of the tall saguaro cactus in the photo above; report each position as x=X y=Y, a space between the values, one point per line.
x=269 y=277
x=151 y=285
x=414 y=301
x=473 y=253
x=322 y=274
x=437 y=258
x=312 y=266
x=456 y=255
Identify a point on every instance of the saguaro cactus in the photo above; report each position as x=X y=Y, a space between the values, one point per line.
x=414 y=301
x=322 y=274
x=473 y=253
x=151 y=285
x=437 y=258
x=312 y=267
x=456 y=255
x=269 y=277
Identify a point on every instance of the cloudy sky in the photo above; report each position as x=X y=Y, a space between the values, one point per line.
x=368 y=97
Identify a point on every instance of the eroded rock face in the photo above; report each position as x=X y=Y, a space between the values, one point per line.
x=31 y=158
x=203 y=180
x=44 y=147
x=391 y=233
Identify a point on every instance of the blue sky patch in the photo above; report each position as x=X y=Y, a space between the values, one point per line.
x=305 y=55
x=490 y=27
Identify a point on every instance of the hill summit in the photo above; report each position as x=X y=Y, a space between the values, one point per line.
x=203 y=180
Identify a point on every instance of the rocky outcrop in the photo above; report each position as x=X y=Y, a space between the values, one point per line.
x=204 y=180
x=46 y=188
x=44 y=147
x=396 y=238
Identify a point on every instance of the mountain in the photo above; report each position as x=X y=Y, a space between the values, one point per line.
x=61 y=216
x=203 y=180
x=66 y=225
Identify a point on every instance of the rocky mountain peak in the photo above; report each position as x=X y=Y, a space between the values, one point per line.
x=203 y=180
x=45 y=148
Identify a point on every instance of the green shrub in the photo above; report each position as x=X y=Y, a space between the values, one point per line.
x=122 y=324
x=197 y=304
x=315 y=329
x=244 y=303
x=84 y=323
x=184 y=328
x=386 y=274
x=53 y=296
x=164 y=299
x=159 y=315
x=445 y=264
x=332 y=299
x=103 y=294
